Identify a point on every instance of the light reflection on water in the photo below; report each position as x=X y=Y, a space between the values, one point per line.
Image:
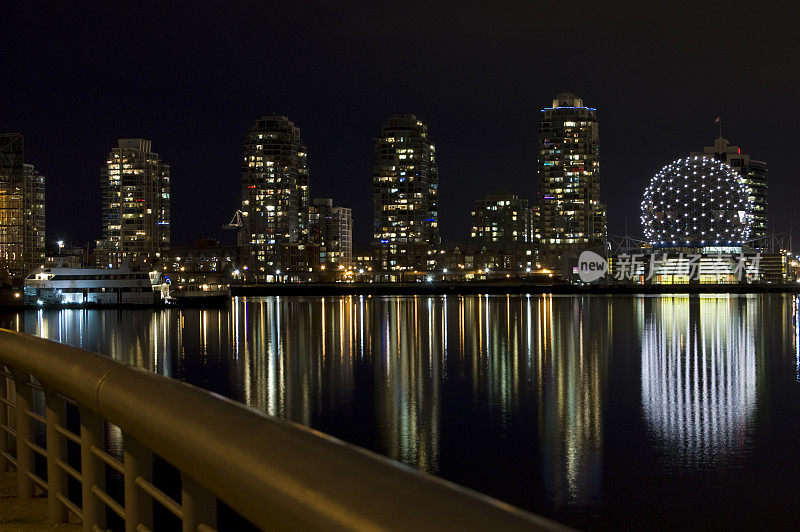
x=699 y=375
x=570 y=406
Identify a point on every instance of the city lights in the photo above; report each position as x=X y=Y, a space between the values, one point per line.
x=696 y=202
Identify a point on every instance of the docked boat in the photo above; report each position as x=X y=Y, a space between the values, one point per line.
x=93 y=286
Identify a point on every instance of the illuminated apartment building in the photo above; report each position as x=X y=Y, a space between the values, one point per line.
x=136 y=205
x=275 y=193
x=331 y=228
x=34 y=250
x=12 y=185
x=405 y=183
x=755 y=178
x=22 y=217
x=570 y=214
x=501 y=220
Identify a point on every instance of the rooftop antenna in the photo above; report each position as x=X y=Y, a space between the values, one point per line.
x=627 y=240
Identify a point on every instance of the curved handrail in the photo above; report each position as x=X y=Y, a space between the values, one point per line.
x=273 y=472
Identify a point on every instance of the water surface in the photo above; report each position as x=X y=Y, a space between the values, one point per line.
x=596 y=411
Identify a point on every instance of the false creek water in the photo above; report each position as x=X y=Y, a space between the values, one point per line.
x=596 y=411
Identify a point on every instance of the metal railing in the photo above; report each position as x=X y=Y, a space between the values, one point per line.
x=273 y=473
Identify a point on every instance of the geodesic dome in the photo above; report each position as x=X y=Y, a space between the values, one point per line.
x=696 y=202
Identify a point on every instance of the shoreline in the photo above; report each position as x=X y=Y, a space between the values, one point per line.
x=489 y=287
x=434 y=288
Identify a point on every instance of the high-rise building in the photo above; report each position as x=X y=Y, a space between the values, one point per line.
x=136 y=205
x=275 y=192
x=12 y=219
x=331 y=228
x=754 y=174
x=570 y=213
x=22 y=216
x=405 y=189
x=500 y=221
x=34 y=249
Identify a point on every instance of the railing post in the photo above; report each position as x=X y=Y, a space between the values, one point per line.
x=56 y=414
x=3 y=421
x=199 y=505
x=138 y=505
x=92 y=470
x=24 y=427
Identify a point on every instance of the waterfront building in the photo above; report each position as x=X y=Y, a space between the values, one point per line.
x=500 y=220
x=362 y=261
x=697 y=203
x=204 y=267
x=22 y=209
x=298 y=257
x=12 y=177
x=136 y=205
x=405 y=186
x=34 y=249
x=68 y=255
x=754 y=174
x=275 y=192
x=464 y=261
x=697 y=216
x=570 y=214
x=330 y=228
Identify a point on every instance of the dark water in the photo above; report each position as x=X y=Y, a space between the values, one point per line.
x=596 y=411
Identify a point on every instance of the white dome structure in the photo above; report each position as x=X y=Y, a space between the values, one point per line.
x=696 y=202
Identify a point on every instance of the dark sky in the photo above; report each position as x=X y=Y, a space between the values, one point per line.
x=194 y=76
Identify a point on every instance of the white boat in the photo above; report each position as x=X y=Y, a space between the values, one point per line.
x=93 y=286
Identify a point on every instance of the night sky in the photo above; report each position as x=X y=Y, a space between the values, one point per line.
x=194 y=77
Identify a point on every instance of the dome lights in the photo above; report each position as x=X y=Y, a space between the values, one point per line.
x=695 y=201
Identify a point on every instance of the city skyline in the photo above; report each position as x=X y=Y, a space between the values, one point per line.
x=478 y=95
x=739 y=161
x=401 y=265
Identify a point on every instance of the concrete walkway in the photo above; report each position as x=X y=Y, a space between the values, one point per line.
x=25 y=514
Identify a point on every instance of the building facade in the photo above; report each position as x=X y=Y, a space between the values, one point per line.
x=136 y=205
x=405 y=189
x=501 y=220
x=275 y=192
x=464 y=261
x=22 y=214
x=570 y=214
x=754 y=174
x=331 y=228
x=204 y=267
x=12 y=179
x=34 y=249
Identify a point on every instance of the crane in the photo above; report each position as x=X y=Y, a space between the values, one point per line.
x=236 y=221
